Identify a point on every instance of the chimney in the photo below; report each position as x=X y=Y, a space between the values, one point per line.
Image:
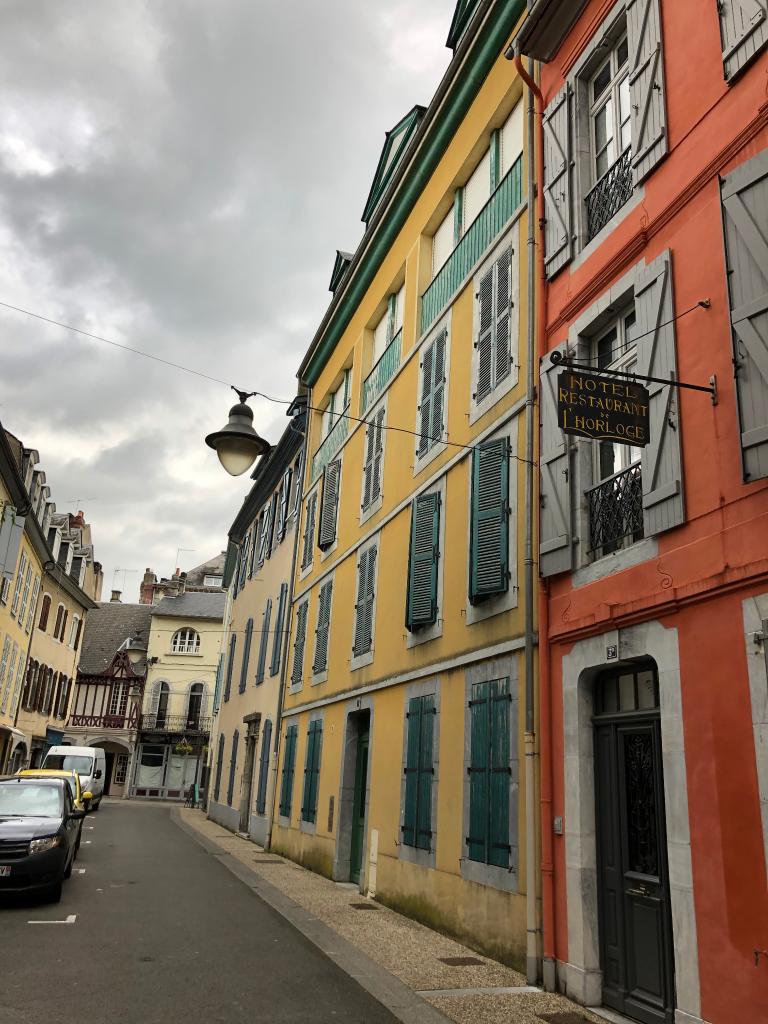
x=147 y=588
x=115 y=596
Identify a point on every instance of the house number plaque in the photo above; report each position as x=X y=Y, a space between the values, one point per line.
x=603 y=408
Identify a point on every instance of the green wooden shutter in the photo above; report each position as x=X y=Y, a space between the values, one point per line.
x=262 y=662
x=366 y=577
x=329 y=505
x=230 y=666
x=277 y=640
x=298 y=643
x=309 y=531
x=219 y=766
x=289 y=762
x=246 y=656
x=502 y=309
x=489 y=528
x=320 y=662
x=413 y=739
x=477 y=840
x=312 y=771
x=484 y=343
x=438 y=389
x=425 y=407
x=378 y=455
x=499 y=774
x=261 y=792
x=426 y=773
x=370 y=439
x=421 y=603
x=232 y=767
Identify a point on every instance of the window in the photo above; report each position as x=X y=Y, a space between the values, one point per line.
x=389 y=325
x=6 y=693
x=185 y=641
x=329 y=505
x=19 y=583
x=489 y=520
x=25 y=593
x=443 y=241
x=158 y=709
x=489 y=773
x=254 y=544
x=219 y=766
x=309 y=532
x=423 y=559
x=285 y=499
x=271 y=525
x=78 y=634
x=32 y=606
x=232 y=767
x=298 y=477
x=299 y=642
x=246 y=656
x=320 y=662
x=265 y=622
x=261 y=789
x=4 y=660
x=609 y=109
x=419 y=772
x=373 y=460
x=5 y=588
x=277 y=639
x=496 y=327
x=289 y=764
x=118 y=699
x=195 y=705
x=74 y=632
x=337 y=403
x=212 y=581
x=431 y=412
x=45 y=611
x=120 y=770
x=243 y=562
x=230 y=666
x=312 y=771
x=364 y=606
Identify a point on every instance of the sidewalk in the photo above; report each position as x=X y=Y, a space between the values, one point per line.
x=480 y=992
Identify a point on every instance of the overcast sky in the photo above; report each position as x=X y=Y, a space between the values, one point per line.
x=176 y=176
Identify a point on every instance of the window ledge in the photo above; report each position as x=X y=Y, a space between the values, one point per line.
x=617 y=561
x=478 y=409
x=371 y=510
x=420 y=464
x=307 y=827
x=424 y=634
x=415 y=855
x=490 y=875
x=361 y=661
x=320 y=677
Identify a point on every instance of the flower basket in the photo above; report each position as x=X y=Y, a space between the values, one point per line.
x=183 y=747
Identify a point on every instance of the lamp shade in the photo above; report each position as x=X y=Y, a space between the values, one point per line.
x=237 y=444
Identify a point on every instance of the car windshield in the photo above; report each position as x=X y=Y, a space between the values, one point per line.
x=70 y=762
x=26 y=800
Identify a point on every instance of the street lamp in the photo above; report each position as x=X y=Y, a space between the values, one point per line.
x=237 y=444
x=135 y=648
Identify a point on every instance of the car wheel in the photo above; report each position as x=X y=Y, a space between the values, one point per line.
x=97 y=805
x=54 y=893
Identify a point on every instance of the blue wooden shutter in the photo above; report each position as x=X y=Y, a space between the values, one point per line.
x=320 y=662
x=499 y=774
x=277 y=642
x=232 y=767
x=289 y=762
x=246 y=655
x=219 y=766
x=477 y=840
x=489 y=529
x=262 y=662
x=261 y=791
x=312 y=771
x=421 y=603
x=309 y=531
x=329 y=505
x=298 y=643
x=230 y=666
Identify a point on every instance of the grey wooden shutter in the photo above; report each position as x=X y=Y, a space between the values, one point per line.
x=285 y=495
x=424 y=554
x=277 y=641
x=646 y=87
x=329 y=506
x=438 y=390
x=489 y=527
x=272 y=524
x=243 y=562
x=11 y=533
x=299 y=642
x=366 y=577
x=254 y=545
x=246 y=656
x=299 y=476
x=484 y=343
x=502 y=356
x=425 y=408
x=370 y=440
x=744 y=32
x=378 y=455
x=262 y=662
x=320 y=662
x=309 y=531
x=663 y=506
x=555 y=540
x=230 y=666
x=745 y=219
x=558 y=185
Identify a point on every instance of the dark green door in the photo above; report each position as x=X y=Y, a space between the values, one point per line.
x=633 y=882
x=358 y=808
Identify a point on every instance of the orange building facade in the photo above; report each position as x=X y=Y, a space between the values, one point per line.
x=654 y=559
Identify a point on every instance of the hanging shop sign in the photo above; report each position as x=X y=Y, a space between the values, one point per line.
x=603 y=408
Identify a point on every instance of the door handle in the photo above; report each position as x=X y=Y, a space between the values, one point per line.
x=637 y=892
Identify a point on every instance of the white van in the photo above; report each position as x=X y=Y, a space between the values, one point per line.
x=89 y=763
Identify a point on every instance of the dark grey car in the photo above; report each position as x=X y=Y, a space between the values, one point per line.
x=38 y=835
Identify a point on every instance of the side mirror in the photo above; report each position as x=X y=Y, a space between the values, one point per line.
x=77 y=815
x=97 y=774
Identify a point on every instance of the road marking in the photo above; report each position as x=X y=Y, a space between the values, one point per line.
x=70 y=919
x=90 y=827
x=87 y=842
x=80 y=871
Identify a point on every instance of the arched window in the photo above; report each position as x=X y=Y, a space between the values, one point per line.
x=45 y=611
x=195 y=705
x=185 y=641
x=158 y=708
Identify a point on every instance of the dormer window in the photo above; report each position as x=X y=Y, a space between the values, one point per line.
x=185 y=641
x=212 y=581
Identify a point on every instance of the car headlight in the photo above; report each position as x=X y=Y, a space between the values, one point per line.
x=42 y=845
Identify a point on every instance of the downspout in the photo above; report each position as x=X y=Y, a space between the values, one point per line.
x=288 y=620
x=545 y=723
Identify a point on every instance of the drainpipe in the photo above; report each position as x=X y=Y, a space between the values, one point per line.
x=545 y=708
x=288 y=619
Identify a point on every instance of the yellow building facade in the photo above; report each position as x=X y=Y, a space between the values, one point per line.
x=401 y=758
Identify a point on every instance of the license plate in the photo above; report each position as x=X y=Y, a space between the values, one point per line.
x=5 y=870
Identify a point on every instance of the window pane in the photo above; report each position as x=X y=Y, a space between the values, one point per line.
x=627 y=692
x=606 y=347
x=622 y=52
x=607 y=459
x=442 y=243
x=602 y=127
x=646 y=690
x=477 y=191
x=610 y=696
x=602 y=80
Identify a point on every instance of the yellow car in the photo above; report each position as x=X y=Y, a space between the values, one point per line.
x=79 y=798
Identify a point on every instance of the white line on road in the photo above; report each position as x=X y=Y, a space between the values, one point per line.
x=70 y=919
x=87 y=842
x=80 y=871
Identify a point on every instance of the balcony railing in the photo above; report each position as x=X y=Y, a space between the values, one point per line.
x=335 y=438
x=611 y=192
x=474 y=242
x=187 y=724
x=103 y=721
x=383 y=371
x=616 y=510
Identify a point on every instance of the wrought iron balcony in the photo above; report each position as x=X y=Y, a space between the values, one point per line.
x=476 y=239
x=616 y=510
x=382 y=372
x=335 y=438
x=611 y=192
x=186 y=724
x=103 y=721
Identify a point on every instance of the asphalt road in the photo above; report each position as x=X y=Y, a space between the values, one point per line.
x=163 y=933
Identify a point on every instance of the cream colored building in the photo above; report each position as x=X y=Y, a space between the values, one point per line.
x=182 y=660
x=241 y=788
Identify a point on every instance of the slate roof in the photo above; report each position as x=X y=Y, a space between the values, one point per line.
x=213 y=567
x=106 y=627
x=191 y=605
